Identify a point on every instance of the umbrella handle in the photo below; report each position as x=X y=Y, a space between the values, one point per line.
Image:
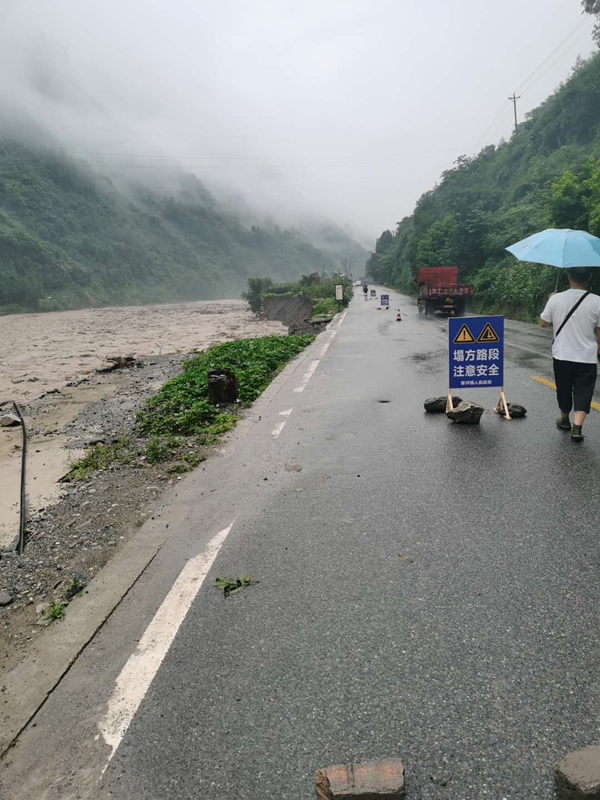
x=557 y=280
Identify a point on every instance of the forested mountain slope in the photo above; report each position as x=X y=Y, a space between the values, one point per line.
x=547 y=175
x=71 y=238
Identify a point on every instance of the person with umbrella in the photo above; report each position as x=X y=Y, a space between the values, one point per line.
x=574 y=315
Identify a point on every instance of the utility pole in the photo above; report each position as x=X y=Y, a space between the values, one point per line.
x=514 y=99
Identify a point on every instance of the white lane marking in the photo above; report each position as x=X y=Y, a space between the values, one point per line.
x=142 y=665
x=277 y=429
x=286 y=413
x=307 y=376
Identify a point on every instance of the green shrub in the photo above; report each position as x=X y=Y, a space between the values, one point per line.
x=181 y=406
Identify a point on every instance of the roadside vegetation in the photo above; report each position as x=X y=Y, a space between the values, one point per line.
x=56 y=611
x=101 y=456
x=547 y=175
x=181 y=406
x=178 y=422
x=314 y=287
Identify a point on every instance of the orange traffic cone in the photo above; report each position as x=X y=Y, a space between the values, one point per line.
x=398 y=316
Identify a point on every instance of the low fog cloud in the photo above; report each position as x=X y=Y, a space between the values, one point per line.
x=346 y=109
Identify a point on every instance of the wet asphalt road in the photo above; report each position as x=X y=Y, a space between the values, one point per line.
x=426 y=591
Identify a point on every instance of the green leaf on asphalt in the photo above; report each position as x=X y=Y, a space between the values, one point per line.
x=231 y=585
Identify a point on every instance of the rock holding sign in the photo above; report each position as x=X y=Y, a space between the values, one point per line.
x=516 y=410
x=467 y=412
x=437 y=405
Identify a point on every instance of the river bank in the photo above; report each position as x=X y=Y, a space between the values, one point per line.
x=43 y=353
x=74 y=528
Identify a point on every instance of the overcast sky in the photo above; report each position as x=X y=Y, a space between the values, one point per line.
x=344 y=108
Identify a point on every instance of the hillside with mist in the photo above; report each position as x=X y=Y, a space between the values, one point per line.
x=72 y=238
x=547 y=175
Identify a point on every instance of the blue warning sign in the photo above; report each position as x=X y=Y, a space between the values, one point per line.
x=476 y=352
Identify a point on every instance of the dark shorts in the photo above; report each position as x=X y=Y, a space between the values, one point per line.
x=575 y=384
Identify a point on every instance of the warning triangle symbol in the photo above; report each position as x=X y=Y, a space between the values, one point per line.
x=464 y=336
x=488 y=334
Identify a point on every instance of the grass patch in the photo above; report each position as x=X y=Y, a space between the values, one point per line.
x=56 y=611
x=101 y=456
x=187 y=463
x=181 y=406
x=211 y=434
x=326 y=306
x=158 y=449
x=74 y=589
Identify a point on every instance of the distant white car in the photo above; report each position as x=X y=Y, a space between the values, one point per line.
x=356 y=283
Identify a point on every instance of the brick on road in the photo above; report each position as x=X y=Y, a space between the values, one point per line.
x=577 y=775
x=381 y=779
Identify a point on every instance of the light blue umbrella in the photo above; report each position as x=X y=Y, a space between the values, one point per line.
x=561 y=248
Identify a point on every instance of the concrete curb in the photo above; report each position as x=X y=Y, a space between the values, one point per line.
x=25 y=689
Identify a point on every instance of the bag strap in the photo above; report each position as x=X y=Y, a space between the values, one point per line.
x=570 y=314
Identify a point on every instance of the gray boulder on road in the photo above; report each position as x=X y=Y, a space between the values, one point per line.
x=516 y=410
x=467 y=412
x=437 y=405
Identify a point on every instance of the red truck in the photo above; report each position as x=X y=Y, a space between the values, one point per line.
x=439 y=291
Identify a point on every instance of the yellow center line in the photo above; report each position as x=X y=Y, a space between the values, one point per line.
x=553 y=386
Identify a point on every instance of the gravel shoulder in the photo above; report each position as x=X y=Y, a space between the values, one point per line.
x=73 y=538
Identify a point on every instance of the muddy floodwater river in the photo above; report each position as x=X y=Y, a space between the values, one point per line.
x=43 y=352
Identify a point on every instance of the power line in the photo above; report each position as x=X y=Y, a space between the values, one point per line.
x=556 y=49
x=498 y=127
x=501 y=112
x=504 y=116
x=556 y=60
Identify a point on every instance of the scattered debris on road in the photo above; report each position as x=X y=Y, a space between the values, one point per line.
x=231 y=586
